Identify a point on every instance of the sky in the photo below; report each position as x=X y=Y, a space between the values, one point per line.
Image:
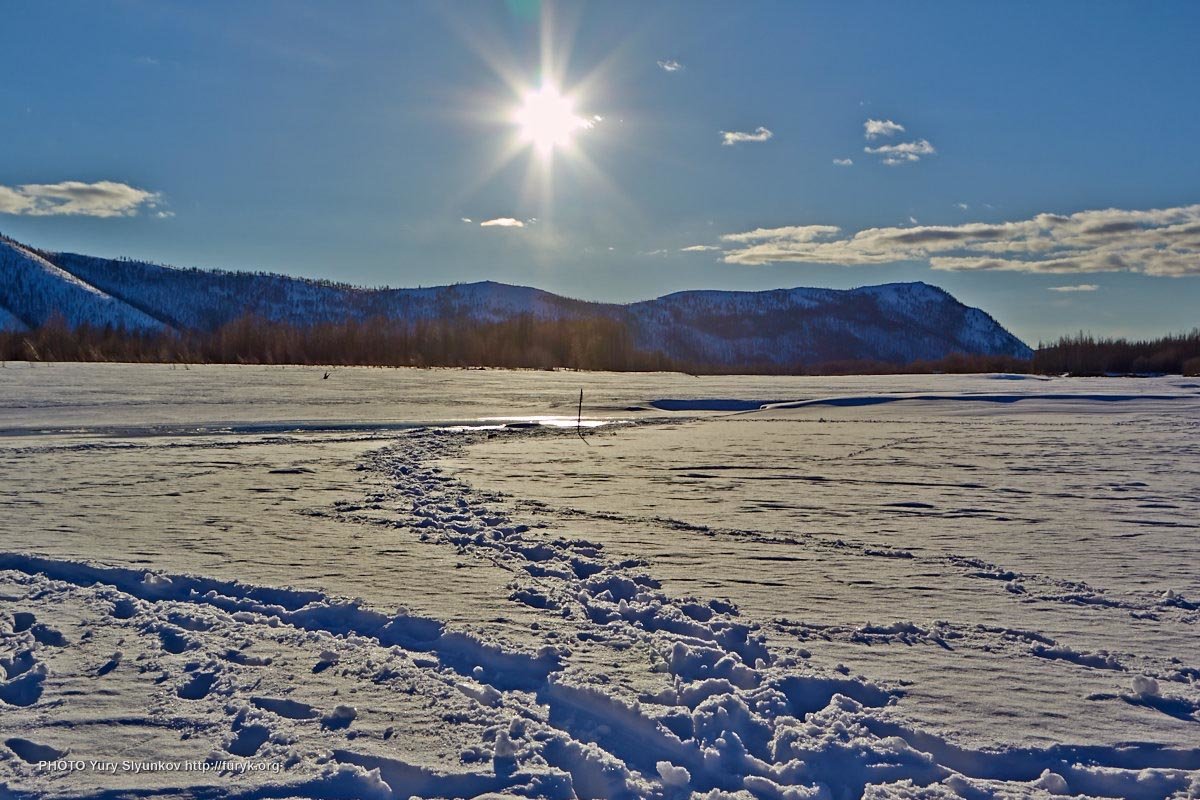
x=1037 y=160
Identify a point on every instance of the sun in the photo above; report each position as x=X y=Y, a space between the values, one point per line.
x=547 y=119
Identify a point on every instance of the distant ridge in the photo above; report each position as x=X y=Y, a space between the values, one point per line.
x=893 y=323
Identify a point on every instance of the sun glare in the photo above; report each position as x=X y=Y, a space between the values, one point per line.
x=548 y=120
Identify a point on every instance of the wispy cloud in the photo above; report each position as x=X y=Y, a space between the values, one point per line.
x=1082 y=287
x=699 y=248
x=730 y=138
x=502 y=222
x=875 y=128
x=1154 y=242
x=466 y=219
x=670 y=65
x=843 y=162
x=902 y=153
x=792 y=233
x=961 y=206
x=75 y=198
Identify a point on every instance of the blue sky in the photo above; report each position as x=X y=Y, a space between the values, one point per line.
x=351 y=140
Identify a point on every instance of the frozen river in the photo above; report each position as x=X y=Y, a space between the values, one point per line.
x=363 y=585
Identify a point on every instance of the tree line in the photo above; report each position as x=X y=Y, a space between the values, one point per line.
x=1084 y=354
x=526 y=341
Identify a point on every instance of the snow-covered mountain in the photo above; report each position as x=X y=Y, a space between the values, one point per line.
x=33 y=290
x=895 y=323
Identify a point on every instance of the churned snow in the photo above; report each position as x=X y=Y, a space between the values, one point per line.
x=253 y=582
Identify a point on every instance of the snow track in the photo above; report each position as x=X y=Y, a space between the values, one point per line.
x=336 y=690
x=665 y=613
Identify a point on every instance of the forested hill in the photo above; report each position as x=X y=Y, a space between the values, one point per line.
x=894 y=323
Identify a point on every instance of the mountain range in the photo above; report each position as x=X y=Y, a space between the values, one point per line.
x=895 y=323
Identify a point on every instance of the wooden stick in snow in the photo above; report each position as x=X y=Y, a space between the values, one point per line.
x=579 y=420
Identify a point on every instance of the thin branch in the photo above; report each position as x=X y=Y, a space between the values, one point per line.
x=579 y=420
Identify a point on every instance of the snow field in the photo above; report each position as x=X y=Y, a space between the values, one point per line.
x=594 y=622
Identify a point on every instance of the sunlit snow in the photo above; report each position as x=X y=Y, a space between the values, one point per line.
x=378 y=585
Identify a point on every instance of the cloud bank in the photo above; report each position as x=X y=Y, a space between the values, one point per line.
x=730 y=138
x=1083 y=287
x=1154 y=242
x=75 y=198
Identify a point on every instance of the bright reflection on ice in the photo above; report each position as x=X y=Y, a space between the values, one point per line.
x=557 y=421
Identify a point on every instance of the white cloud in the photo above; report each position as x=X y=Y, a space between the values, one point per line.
x=793 y=233
x=670 y=65
x=699 y=248
x=894 y=154
x=874 y=128
x=75 y=198
x=1152 y=242
x=962 y=206
x=902 y=153
x=760 y=134
x=1083 y=287
x=844 y=162
x=466 y=219
x=502 y=222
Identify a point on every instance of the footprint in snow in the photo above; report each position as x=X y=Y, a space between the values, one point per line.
x=25 y=690
x=32 y=752
x=175 y=641
x=124 y=608
x=46 y=635
x=17 y=665
x=247 y=659
x=290 y=709
x=248 y=740
x=197 y=686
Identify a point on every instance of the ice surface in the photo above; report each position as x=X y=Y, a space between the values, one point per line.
x=233 y=566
